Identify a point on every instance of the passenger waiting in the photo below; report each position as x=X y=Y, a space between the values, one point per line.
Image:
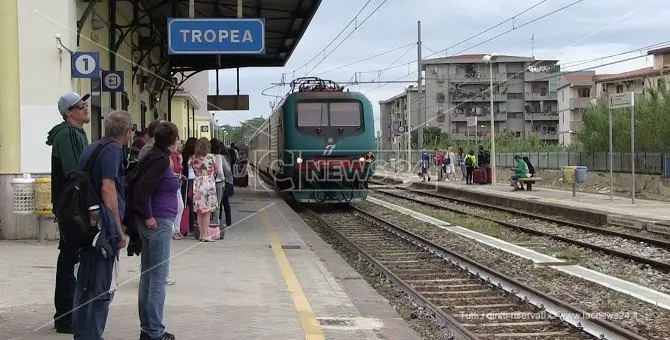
x=470 y=162
x=531 y=168
x=204 y=187
x=521 y=172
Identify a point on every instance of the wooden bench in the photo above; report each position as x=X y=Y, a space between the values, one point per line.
x=529 y=182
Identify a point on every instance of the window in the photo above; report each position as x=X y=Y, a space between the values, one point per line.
x=339 y=114
x=345 y=114
x=312 y=114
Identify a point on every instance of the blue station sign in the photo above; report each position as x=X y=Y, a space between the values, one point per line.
x=216 y=36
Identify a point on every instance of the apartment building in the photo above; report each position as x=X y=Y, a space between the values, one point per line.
x=575 y=91
x=393 y=118
x=637 y=80
x=524 y=96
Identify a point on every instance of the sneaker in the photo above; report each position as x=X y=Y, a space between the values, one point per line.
x=171 y=282
x=165 y=336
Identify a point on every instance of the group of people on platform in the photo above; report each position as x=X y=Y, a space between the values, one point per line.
x=474 y=168
x=151 y=193
x=446 y=163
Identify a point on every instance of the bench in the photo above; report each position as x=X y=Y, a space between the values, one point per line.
x=529 y=182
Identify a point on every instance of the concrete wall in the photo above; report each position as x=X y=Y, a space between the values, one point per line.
x=36 y=72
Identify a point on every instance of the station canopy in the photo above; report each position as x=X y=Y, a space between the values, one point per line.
x=285 y=23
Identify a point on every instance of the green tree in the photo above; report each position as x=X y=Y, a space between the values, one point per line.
x=237 y=134
x=652 y=123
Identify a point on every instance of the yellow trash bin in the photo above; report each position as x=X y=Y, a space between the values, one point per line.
x=43 y=206
x=569 y=174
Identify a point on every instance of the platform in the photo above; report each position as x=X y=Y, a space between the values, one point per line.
x=272 y=277
x=585 y=207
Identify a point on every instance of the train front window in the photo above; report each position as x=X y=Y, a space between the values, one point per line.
x=345 y=114
x=312 y=114
x=334 y=114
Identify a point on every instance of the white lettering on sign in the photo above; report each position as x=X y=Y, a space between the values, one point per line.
x=210 y=36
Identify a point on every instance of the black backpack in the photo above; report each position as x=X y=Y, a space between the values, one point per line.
x=71 y=208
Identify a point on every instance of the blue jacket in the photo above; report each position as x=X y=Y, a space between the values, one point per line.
x=425 y=159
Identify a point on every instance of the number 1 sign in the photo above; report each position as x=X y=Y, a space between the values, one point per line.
x=85 y=65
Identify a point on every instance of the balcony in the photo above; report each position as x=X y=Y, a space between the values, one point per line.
x=478 y=97
x=536 y=96
x=576 y=125
x=478 y=79
x=536 y=76
x=535 y=116
x=579 y=103
x=547 y=135
x=499 y=117
x=471 y=135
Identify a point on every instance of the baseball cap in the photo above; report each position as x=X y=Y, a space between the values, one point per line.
x=67 y=100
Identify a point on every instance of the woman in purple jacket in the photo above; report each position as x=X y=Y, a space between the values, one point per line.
x=155 y=208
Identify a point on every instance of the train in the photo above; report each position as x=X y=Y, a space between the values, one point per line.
x=318 y=143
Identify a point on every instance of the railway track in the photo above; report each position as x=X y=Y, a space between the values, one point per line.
x=530 y=228
x=473 y=301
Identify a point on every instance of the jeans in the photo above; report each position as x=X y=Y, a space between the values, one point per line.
x=156 y=245
x=468 y=176
x=225 y=203
x=219 y=195
x=65 y=284
x=91 y=307
x=484 y=169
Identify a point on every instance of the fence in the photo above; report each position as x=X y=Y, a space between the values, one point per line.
x=653 y=163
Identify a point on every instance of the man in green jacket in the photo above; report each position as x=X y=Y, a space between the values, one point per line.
x=521 y=172
x=67 y=140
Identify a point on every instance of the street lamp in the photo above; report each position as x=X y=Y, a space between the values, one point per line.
x=490 y=58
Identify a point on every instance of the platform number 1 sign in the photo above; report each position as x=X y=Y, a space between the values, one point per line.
x=85 y=65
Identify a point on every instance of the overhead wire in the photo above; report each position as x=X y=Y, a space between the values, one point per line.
x=349 y=35
x=368 y=58
x=338 y=35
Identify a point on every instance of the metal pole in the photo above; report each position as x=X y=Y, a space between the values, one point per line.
x=191 y=9
x=408 y=131
x=239 y=8
x=632 y=144
x=610 y=157
x=493 y=131
x=419 y=81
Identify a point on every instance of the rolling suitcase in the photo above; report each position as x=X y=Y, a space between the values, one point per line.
x=477 y=176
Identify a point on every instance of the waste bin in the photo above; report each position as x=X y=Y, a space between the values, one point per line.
x=569 y=174
x=24 y=195
x=43 y=205
x=580 y=174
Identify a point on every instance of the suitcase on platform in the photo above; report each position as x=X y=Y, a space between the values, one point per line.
x=489 y=175
x=477 y=175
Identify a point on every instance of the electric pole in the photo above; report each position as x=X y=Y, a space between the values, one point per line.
x=420 y=112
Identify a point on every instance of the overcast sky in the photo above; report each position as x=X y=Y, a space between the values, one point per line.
x=587 y=30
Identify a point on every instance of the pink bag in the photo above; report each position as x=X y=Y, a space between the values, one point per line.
x=214 y=233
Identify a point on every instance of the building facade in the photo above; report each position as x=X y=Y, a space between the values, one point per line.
x=575 y=91
x=524 y=96
x=394 y=113
x=637 y=80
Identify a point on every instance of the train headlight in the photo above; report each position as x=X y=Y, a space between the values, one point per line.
x=362 y=159
x=299 y=160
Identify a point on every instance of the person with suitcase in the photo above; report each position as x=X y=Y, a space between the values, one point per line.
x=470 y=162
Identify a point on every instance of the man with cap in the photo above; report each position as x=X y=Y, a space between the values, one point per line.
x=67 y=141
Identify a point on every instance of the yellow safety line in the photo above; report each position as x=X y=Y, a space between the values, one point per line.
x=311 y=328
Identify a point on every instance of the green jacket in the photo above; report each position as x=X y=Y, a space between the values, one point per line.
x=470 y=160
x=522 y=168
x=67 y=144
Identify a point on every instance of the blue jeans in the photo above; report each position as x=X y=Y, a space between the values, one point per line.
x=155 y=262
x=89 y=315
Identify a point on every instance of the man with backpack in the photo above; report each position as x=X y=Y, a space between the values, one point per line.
x=97 y=276
x=484 y=159
x=67 y=141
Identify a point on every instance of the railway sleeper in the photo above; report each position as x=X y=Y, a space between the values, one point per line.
x=538 y=335
x=518 y=327
x=429 y=291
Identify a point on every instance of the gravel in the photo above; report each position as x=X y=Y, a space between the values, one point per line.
x=645 y=319
x=418 y=318
x=611 y=265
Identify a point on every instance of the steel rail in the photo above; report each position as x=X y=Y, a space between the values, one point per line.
x=564 y=311
x=456 y=328
x=663 y=266
x=639 y=238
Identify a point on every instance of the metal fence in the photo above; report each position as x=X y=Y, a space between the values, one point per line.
x=653 y=163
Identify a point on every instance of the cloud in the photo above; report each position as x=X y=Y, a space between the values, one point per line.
x=590 y=29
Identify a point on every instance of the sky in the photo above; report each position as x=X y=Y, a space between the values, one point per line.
x=588 y=30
